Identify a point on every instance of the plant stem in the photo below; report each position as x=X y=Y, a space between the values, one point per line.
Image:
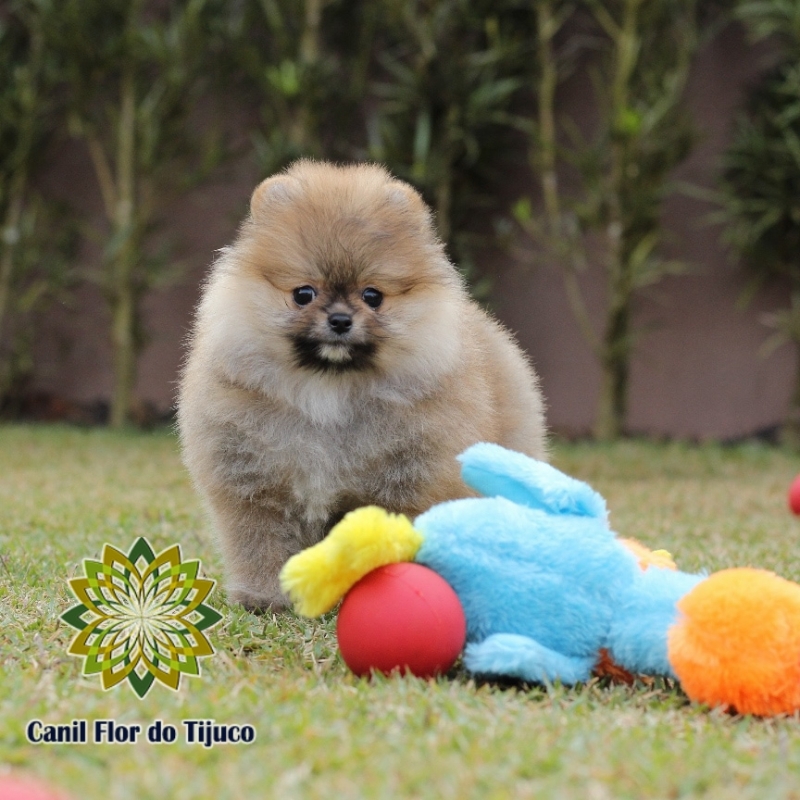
x=566 y=247
x=308 y=57
x=445 y=176
x=21 y=157
x=790 y=430
x=615 y=349
x=612 y=403
x=8 y=242
x=123 y=294
x=548 y=79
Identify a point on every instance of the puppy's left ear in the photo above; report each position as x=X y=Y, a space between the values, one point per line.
x=275 y=191
x=405 y=197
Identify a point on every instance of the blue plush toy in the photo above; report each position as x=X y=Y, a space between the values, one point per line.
x=548 y=590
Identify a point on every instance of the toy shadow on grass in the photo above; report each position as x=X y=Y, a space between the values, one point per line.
x=549 y=593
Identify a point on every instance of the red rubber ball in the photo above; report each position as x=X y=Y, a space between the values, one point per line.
x=24 y=788
x=794 y=495
x=401 y=617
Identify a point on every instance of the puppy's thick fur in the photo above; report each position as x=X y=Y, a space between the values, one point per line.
x=337 y=361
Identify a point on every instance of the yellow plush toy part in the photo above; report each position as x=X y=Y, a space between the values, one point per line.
x=370 y=537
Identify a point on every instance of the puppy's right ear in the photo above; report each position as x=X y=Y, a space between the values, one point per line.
x=275 y=191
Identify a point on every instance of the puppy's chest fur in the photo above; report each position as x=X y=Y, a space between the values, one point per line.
x=321 y=470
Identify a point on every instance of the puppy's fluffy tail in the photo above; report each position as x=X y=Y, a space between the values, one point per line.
x=365 y=539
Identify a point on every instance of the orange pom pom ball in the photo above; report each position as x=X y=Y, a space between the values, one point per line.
x=737 y=642
x=401 y=617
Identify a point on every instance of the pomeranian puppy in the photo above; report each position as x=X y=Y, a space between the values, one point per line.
x=337 y=361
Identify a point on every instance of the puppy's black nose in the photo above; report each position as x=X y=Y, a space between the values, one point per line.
x=340 y=323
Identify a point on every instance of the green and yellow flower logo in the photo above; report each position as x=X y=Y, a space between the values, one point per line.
x=141 y=617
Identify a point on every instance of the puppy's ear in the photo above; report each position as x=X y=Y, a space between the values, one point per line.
x=404 y=196
x=408 y=201
x=275 y=191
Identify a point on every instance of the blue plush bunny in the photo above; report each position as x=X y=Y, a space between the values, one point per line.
x=546 y=587
x=561 y=585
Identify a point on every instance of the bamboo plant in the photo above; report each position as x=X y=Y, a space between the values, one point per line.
x=132 y=73
x=303 y=67
x=448 y=77
x=35 y=238
x=760 y=180
x=639 y=62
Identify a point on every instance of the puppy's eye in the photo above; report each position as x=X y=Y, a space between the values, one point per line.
x=372 y=297
x=303 y=295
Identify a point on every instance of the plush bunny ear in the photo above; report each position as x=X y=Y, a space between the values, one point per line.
x=494 y=471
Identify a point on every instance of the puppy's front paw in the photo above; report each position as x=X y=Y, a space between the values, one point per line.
x=259 y=603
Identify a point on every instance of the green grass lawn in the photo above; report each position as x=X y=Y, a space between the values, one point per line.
x=321 y=733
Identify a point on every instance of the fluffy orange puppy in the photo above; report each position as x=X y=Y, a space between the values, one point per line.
x=337 y=361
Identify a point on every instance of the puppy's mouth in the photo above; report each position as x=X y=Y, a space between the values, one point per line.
x=332 y=356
